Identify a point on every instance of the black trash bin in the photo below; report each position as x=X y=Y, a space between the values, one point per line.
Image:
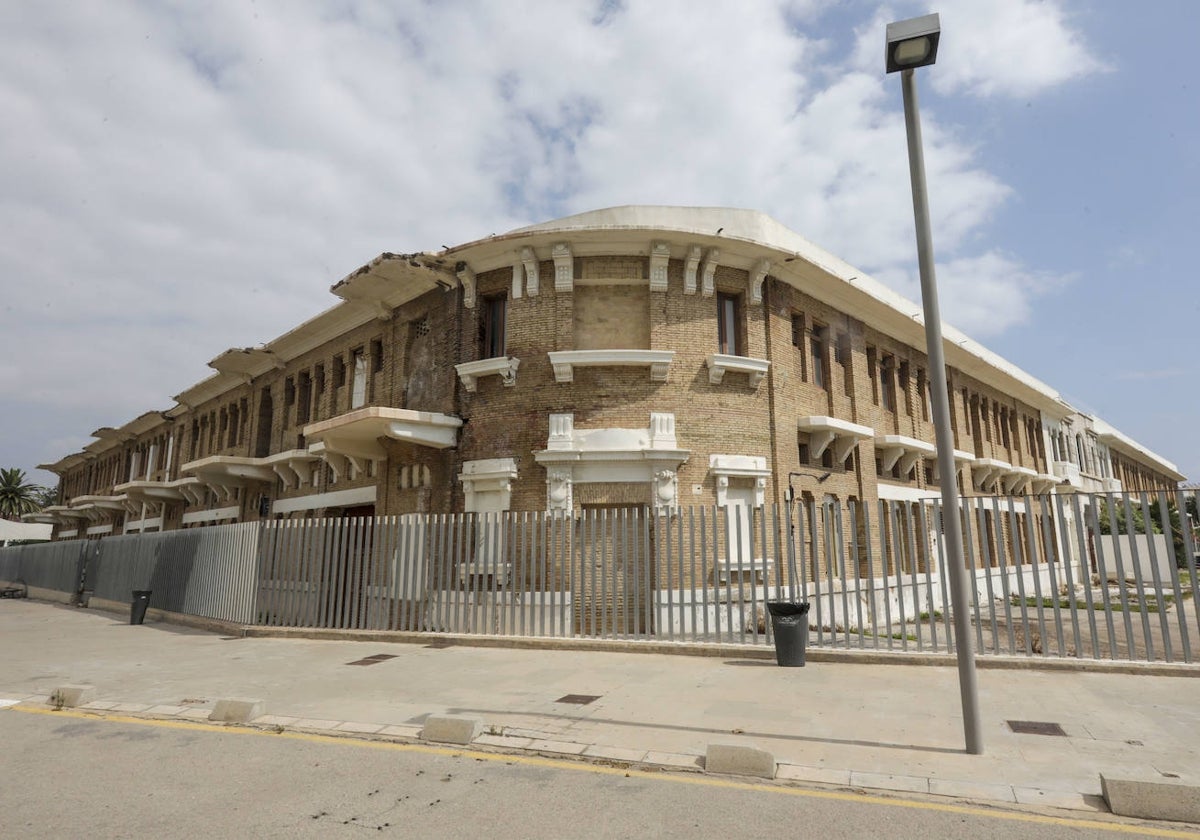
x=789 y=624
x=137 y=610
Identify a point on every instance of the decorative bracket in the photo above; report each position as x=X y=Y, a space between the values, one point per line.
x=564 y=267
x=529 y=258
x=690 y=266
x=708 y=270
x=757 y=275
x=660 y=257
x=467 y=277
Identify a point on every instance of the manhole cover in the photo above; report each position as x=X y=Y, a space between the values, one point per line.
x=578 y=699
x=1036 y=727
x=373 y=660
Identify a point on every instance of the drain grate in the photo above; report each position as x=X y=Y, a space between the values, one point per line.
x=373 y=660
x=1036 y=727
x=439 y=645
x=578 y=699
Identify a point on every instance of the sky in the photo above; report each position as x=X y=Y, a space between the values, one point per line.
x=180 y=178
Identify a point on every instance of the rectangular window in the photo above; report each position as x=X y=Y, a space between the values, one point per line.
x=358 y=392
x=304 y=399
x=887 y=382
x=873 y=374
x=339 y=371
x=845 y=359
x=376 y=355
x=817 y=341
x=903 y=383
x=492 y=330
x=798 y=342
x=923 y=397
x=728 y=334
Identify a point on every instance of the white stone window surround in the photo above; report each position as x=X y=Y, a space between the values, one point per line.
x=487 y=484
x=505 y=367
x=565 y=361
x=719 y=363
x=636 y=456
x=842 y=435
x=724 y=467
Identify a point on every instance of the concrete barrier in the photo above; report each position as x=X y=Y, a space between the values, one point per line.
x=1152 y=796
x=451 y=729
x=739 y=760
x=70 y=696
x=238 y=710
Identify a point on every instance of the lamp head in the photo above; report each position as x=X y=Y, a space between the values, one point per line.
x=913 y=42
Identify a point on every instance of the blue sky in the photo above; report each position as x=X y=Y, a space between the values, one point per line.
x=182 y=178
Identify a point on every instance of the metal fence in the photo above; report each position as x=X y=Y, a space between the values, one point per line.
x=1103 y=577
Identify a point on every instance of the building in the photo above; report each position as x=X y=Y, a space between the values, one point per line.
x=636 y=356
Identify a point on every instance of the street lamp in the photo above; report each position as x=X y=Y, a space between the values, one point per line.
x=910 y=44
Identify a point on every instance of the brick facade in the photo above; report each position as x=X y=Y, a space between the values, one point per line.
x=241 y=445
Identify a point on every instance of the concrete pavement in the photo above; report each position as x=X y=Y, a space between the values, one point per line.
x=884 y=727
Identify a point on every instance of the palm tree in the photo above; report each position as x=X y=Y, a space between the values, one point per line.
x=17 y=496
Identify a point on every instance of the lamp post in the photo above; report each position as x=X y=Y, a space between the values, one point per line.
x=910 y=44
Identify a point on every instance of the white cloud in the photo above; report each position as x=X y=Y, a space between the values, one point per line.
x=182 y=180
x=1015 y=48
x=983 y=295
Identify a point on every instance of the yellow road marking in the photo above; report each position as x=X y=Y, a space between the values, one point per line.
x=679 y=778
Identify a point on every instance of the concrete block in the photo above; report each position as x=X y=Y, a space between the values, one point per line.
x=1152 y=796
x=451 y=729
x=739 y=760
x=70 y=696
x=238 y=710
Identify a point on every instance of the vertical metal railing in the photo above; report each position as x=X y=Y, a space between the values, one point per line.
x=1089 y=576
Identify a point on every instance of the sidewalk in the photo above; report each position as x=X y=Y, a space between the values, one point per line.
x=886 y=727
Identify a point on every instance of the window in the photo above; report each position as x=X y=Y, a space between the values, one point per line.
x=358 y=392
x=873 y=374
x=798 y=341
x=728 y=335
x=495 y=316
x=816 y=343
x=376 y=356
x=304 y=399
x=903 y=375
x=887 y=382
x=844 y=357
x=923 y=398
x=339 y=371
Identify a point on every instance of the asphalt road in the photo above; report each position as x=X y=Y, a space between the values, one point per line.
x=68 y=774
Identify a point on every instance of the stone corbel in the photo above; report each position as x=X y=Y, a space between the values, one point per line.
x=666 y=487
x=530 y=261
x=286 y=474
x=660 y=257
x=758 y=274
x=337 y=462
x=708 y=271
x=690 y=266
x=842 y=447
x=889 y=457
x=818 y=442
x=467 y=277
x=908 y=461
x=383 y=312
x=518 y=280
x=558 y=490
x=564 y=267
